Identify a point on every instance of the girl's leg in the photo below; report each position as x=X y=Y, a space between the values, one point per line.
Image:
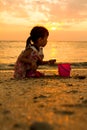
x=34 y=74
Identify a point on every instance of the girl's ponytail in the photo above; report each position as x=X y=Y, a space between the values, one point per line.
x=28 y=42
x=36 y=32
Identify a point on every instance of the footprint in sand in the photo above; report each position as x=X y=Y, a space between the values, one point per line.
x=80 y=77
x=39 y=97
x=6 y=112
x=72 y=91
x=0 y=104
x=63 y=112
x=41 y=126
x=20 y=126
x=35 y=99
x=84 y=101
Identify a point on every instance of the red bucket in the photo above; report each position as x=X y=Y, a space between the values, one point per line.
x=64 y=69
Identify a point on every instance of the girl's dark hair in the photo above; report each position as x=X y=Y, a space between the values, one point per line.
x=36 y=32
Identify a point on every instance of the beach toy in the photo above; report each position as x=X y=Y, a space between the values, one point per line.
x=64 y=69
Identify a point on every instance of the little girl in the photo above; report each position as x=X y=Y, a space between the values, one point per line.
x=29 y=59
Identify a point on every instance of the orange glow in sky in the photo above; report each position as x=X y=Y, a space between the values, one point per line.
x=65 y=19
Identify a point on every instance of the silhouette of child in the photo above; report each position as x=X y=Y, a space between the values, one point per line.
x=29 y=59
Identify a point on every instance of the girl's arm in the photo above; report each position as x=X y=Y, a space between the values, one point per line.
x=25 y=59
x=24 y=56
x=49 y=62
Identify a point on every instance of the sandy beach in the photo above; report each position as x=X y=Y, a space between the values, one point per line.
x=49 y=103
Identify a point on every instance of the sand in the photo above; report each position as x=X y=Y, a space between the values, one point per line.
x=49 y=103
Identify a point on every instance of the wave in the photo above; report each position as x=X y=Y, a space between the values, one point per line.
x=52 y=66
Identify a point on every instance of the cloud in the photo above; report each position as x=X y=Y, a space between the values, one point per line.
x=69 y=9
x=23 y=11
x=68 y=12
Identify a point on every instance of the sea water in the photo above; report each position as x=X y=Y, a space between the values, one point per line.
x=62 y=51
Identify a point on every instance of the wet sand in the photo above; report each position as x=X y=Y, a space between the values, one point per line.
x=49 y=103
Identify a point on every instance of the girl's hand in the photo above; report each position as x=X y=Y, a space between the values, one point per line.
x=33 y=66
x=51 y=62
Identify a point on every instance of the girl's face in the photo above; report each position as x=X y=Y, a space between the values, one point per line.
x=42 y=41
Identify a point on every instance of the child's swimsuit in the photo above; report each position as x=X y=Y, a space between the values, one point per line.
x=23 y=70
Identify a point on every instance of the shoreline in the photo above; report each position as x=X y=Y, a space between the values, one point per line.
x=4 y=66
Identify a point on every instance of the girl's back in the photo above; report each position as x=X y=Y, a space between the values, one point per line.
x=33 y=56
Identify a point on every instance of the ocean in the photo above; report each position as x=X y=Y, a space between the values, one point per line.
x=62 y=51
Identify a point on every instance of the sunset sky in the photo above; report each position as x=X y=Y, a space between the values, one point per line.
x=66 y=20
